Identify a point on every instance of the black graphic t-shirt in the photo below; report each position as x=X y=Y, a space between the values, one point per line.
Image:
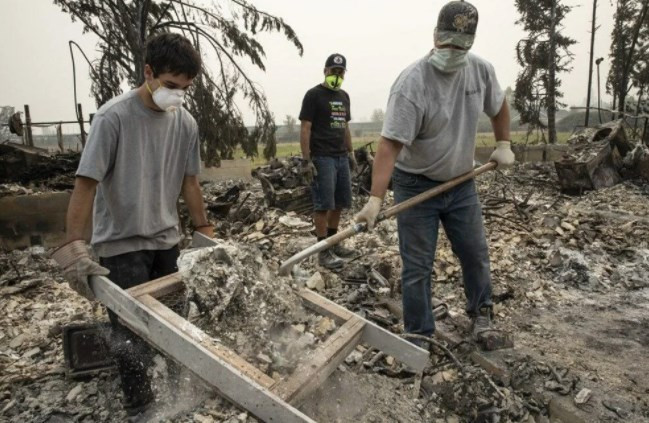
x=328 y=111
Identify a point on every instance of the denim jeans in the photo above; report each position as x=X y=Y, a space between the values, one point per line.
x=332 y=186
x=131 y=353
x=460 y=212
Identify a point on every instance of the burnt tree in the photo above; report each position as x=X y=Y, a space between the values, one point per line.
x=225 y=32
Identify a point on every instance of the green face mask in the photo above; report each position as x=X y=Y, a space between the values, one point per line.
x=333 y=82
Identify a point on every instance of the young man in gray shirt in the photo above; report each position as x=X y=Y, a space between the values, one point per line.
x=142 y=153
x=428 y=138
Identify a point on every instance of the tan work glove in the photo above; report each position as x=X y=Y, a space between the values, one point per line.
x=77 y=265
x=309 y=170
x=503 y=155
x=353 y=164
x=369 y=213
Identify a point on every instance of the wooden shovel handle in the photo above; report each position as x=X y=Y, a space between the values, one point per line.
x=286 y=267
x=426 y=195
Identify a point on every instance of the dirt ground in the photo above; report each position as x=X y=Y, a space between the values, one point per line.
x=570 y=282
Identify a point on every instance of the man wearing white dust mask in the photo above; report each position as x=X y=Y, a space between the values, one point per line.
x=428 y=138
x=142 y=154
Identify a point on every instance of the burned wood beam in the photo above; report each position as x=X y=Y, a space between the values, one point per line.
x=594 y=158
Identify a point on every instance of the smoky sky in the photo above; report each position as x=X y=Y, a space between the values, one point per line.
x=379 y=38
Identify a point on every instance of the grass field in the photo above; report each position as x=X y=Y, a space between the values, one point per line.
x=287 y=149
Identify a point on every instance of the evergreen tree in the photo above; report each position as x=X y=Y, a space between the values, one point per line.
x=543 y=55
x=629 y=51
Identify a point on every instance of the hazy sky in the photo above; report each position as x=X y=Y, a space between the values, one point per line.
x=378 y=37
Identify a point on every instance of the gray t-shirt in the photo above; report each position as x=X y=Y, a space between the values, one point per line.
x=140 y=157
x=435 y=115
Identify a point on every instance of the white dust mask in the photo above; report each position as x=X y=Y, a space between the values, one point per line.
x=166 y=98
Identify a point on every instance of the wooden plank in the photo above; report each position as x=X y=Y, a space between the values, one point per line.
x=315 y=369
x=232 y=383
x=158 y=287
x=206 y=341
x=315 y=302
x=374 y=335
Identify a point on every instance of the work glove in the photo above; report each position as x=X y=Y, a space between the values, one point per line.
x=207 y=230
x=353 y=164
x=369 y=213
x=309 y=170
x=503 y=154
x=77 y=266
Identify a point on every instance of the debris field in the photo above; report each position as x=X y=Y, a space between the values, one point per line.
x=570 y=283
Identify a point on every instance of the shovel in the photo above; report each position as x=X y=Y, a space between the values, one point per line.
x=286 y=267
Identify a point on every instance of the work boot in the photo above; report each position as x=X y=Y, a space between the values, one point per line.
x=482 y=322
x=329 y=260
x=340 y=251
x=487 y=336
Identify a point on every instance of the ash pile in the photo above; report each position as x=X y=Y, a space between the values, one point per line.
x=569 y=278
x=234 y=298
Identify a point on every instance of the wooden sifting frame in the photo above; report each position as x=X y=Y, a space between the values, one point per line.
x=235 y=378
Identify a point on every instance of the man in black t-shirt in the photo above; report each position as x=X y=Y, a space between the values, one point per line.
x=327 y=155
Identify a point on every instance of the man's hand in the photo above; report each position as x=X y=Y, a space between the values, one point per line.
x=503 y=155
x=353 y=164
x=309 y=170
x=369 y=213
x=77 y=266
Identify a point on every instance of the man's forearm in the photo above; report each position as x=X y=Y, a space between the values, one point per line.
x=501 y=123
x=79 y=209
x=305 y=138
x=348 y=140
x=386 y=156
x=194 y=201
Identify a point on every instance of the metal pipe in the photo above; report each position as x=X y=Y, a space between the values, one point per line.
x=33 y=124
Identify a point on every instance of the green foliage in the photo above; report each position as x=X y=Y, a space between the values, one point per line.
x=620 y=44
x=227 y=30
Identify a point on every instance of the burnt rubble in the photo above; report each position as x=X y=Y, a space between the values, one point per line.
x=569 y=278
x=600 y=157
x=35 y=167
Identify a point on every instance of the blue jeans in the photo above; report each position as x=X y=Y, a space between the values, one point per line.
x=461 y=214
x=332 y=186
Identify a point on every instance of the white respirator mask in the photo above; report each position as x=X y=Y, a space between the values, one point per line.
x=166 y=98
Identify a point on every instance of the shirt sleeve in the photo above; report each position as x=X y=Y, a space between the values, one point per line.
x=98 y=156
x=403 y=119
x=494 y=95
x=349 y=108
x=193 y=166
x=308 y=107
